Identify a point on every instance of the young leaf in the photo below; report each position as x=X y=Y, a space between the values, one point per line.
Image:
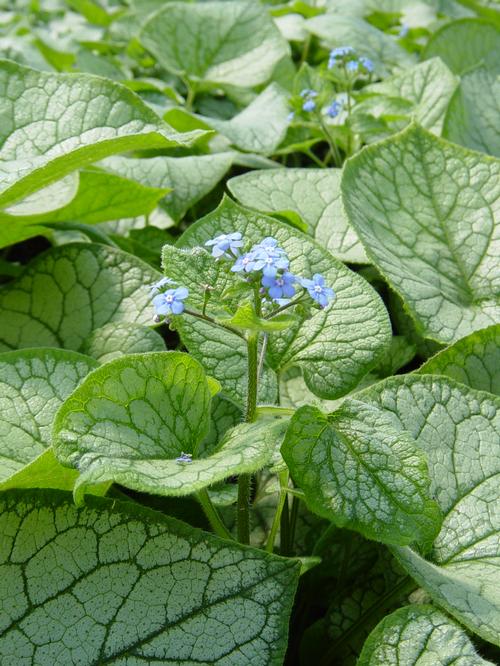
x=438 y=252
x=40 y=141
x=245 y=319
x=120 y=338
x=69 y=291
x=473 y=112
x=473 y=360
x=133 y=417
x=191 y=40
x=336 y=346
x=361 y=472
x=114 y=582
x=261 y=126
x=419 y=634
x=458 y=429
x=189 y=178
x=314 y=194
x=33 y=385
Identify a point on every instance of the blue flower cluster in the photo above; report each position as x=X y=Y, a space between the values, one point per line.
x=308 y=95
x=345 y=55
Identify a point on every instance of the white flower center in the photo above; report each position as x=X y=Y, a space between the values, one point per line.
x=318 y=289
x=169 y=298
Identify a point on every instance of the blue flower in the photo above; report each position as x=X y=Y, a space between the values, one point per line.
x=268 y=242
x=269 y=258
x=225 y=243
x=317 y=289
x=184 y=458
x=171 y=301
x=245 y=263
x=308 y=93
x=158 y=286
x=336 y=54
x=367 y=63
x=308 y=106
x=352 y=66
x=334 y=109
x=280 y=286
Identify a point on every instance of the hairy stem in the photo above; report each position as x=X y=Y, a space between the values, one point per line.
x=283 y=477
x=213 y=515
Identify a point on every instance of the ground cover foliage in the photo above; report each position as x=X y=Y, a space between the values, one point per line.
x=249 y=332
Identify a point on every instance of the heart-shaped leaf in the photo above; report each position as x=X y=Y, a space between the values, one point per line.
x=111 y=582
x=69 y=291
x=120 y=338
x=33 y=385
x=40 y=141
x=425 y=211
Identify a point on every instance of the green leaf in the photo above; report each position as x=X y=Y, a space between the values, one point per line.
x=428 y=87
x=69 y=291
x=425 y=212
x=245 y=319
x=336 y=346
x=40 y=141
x=361 y=472
x=261 y=126
x=117 y=339
x=472 y=117
x=134 y=416
x=418 y=635
x=473 y=360
x=224 y=356
x=381 y=48
x=191 y=40
x=33 y=385
x=481 y=37
x=314 y=194
x=190 y=178
x=458 y=430
x=116 y=583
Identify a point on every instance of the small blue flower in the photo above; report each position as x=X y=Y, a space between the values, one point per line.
x=308 y=106
x=280 y=286
x=308 y=93
x=269 y=258
x=184 y=458
x=317 y=289
x=336 y=54
x=170 y=302
x=225 y=243
x=367 y=63
x=245 y=263
x=158 y=286
x=333 y=110
x=268 y=242
x=352 y=66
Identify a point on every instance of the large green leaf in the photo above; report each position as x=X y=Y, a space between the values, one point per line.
x=426 y=211
x=473 y=360
x=458 y=429
x=428 y=87
x=69 y=291
x=381 y=48
x=336 y=346
x=134 y=416
x=481 y=37
x=472 y=117
x=261 y=126
x=190 y=177
x=313 y=194
x=40 y=141
x=33 y=385
x=361 y=472
x=419 y=635
x=120 y=338
x=217 y=42
x=117 y=583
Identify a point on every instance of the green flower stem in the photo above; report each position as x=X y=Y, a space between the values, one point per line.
x=213 y=515
x=243 y=515
x=331 y=143
x=296 y=301
x=283 y=477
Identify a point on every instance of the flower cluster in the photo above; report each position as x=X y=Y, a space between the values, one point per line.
x=308 y=95
x=346 y=56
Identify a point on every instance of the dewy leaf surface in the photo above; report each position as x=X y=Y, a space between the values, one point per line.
x=473 y=360
x=33 y=385
x=314 y=194
x=113 y=583
x=472 y=117
x=69 y=291
x=261 y=126
x=133 y=418
x=190 y=178
x=419 y=635
x=428 y=86
x=338 y=345
x=56 y=123
x=458 y=429
x=427 y=213
x=361 y=472
x=232 y=43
